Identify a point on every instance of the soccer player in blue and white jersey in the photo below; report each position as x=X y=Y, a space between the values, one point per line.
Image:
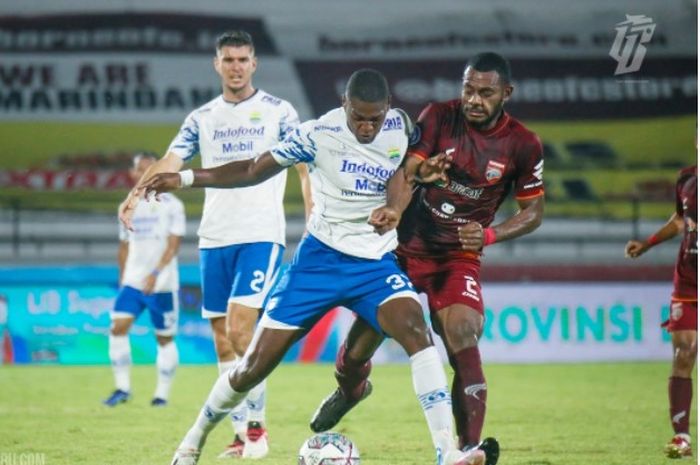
x=149 y=279
x=355 y=155
x=242 y=232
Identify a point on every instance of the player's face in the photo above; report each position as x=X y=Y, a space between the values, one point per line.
x=140 y=168
x=365 y=119
x=236 y=66
x=483 y=97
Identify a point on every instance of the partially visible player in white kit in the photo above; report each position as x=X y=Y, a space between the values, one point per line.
x=149 y=279
x=242 y=232
x=355 y=154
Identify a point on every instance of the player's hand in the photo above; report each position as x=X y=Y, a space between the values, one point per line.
x=127 y=208
x=434 y=169
x=634 y=249
x=149 y=283
x=384 y=219
x=159 y=183
x=471 y=236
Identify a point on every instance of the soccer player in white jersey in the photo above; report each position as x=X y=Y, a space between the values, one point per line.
x=355 y=155
x=149 y=279
x=242 y=232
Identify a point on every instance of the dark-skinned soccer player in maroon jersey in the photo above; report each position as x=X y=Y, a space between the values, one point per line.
x=683 y=320
x=443 y=229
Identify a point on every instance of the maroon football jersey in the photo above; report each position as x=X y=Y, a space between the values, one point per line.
x=486 y=167
x=685 y=281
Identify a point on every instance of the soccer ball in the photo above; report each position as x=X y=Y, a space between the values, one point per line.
x=328 y=449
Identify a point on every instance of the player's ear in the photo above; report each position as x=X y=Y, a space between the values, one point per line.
x=216 y=63
x=254 y=62
x=507 y=92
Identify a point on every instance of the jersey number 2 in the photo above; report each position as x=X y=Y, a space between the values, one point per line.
x=258 y=280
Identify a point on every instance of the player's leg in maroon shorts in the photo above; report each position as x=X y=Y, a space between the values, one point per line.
x=456 y=306
x=682 y=325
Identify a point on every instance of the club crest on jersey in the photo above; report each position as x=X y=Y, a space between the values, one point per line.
x=393 y=153
x=494 y=171
x=255 y=117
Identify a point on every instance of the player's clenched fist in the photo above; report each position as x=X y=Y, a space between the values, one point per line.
x=384 y=219
x=471 y=236
x=161 y=182
x=634 y=249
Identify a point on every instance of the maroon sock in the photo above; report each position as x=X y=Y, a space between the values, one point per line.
x=471 y=393
x=351 y=375
x=680 y=396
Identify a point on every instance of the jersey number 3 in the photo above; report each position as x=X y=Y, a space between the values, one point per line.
x=397 y=281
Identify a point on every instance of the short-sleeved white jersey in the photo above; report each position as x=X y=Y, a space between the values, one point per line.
x=222 y=132
x=153 y=223
x=348 y=179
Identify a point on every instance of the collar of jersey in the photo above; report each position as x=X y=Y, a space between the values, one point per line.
x=502 y=122
x=255 y=92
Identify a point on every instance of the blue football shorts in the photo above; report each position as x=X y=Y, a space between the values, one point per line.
x=320 y=278
x=241 y=273
x=163 y=308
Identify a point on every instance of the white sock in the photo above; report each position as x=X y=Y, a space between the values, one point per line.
x=166 y=363
x=256 y=402
x=120 y=356
x=430 y=384
x=221 y=400
x=239 y=414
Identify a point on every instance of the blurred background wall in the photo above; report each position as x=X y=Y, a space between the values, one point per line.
x=85 y=85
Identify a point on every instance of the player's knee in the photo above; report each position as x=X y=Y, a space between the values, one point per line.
x=239 y=338
x=120 y=327
x=164 y=340
x=415 y=332
x=685 y=356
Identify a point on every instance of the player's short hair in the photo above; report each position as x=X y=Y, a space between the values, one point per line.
x=490 y=61
x=138 y=156
x=367 y=85
x=235 y=39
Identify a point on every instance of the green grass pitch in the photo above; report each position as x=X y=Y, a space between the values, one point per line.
x=608 y=414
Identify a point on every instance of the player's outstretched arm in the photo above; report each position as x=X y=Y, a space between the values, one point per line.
x=169 y=162
x=673 y=227
x=400 y=188
x=235 y=174
x=305 y=182
x=473 y=236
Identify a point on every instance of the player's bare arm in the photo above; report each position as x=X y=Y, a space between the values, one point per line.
x=303 y=172
x=170 y=162
x=671 y=229
x=473 y=236
x=400 y=188
x=235 y=174
x=122 y=254
x=168 y=254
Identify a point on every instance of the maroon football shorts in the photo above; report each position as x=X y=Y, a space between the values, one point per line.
x=684 y=316
x=446 y=281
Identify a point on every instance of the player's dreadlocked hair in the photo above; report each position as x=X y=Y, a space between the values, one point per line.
x=235 y=39
x=489 y=61
x=367 y=85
